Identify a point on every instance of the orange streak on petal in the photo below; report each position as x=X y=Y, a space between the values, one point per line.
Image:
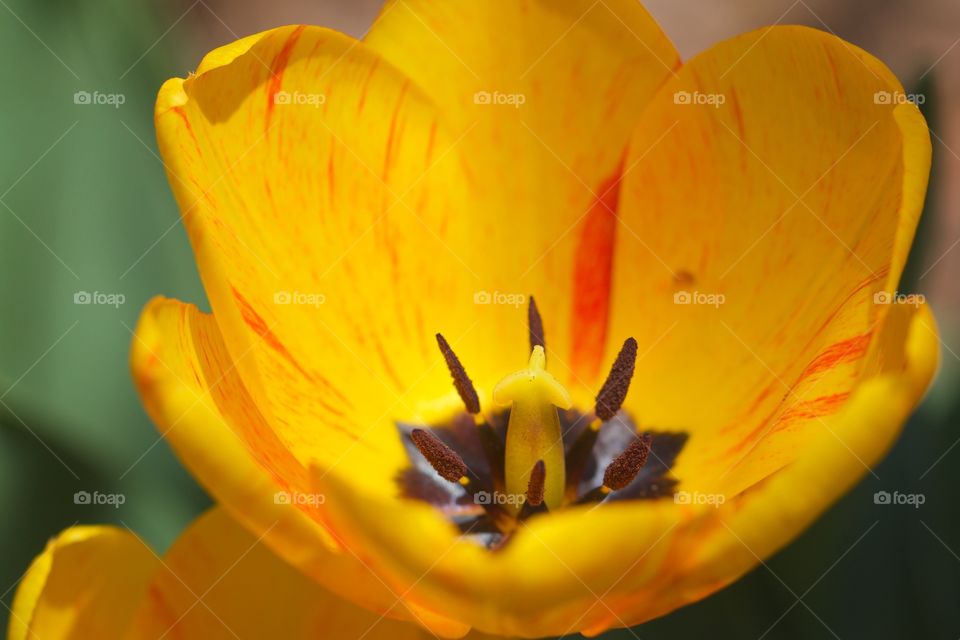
x=278 y=67
x=388 y=157
x=816 y=408
x=331 y=178
x=592 y=278
x=839 y=352
x=804 y=410
x=366 y=85
x=388 y=366
x=879 y=276
x=431 y=141
x=259 y=326
x=186 y=122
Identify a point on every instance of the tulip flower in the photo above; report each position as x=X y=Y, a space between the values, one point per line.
x=521 y=325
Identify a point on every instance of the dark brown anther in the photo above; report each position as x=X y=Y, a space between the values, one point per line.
x=461 y=381
x=444 y=460
x=535 y=324
x=614 y=390
x=627 y=465
x=535 y=486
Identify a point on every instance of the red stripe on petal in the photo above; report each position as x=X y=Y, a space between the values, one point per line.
x=186 y=122
x=592 y=279
x=848 y=350
x=260 y=327
x=278 y=67
x=394 y=131
x=815 y=409
x=366 y=85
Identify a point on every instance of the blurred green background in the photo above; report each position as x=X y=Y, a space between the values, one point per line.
x=85 y=207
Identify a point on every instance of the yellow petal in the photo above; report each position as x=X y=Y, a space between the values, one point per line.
x=784 y=198
x=220 y=581
x=289 y=153
x=195 y=396
x=545 y=94
x=86 y=584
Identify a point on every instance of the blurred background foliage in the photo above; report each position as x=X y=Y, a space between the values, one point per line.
x=85 y=207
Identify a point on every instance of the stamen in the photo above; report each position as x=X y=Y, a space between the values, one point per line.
x=461 y=381
x=444 y=460
x=491 y=442
x=625 y=467
x=535 y=324
x=536 y=485
x=622 y=470
x=614 y=389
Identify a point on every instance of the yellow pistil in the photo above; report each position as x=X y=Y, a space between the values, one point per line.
x=533 y=433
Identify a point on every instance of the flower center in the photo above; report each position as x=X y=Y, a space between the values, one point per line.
x=536 y=452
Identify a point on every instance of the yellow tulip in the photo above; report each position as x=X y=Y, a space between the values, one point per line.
x=744 y=217
x=217 y=582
